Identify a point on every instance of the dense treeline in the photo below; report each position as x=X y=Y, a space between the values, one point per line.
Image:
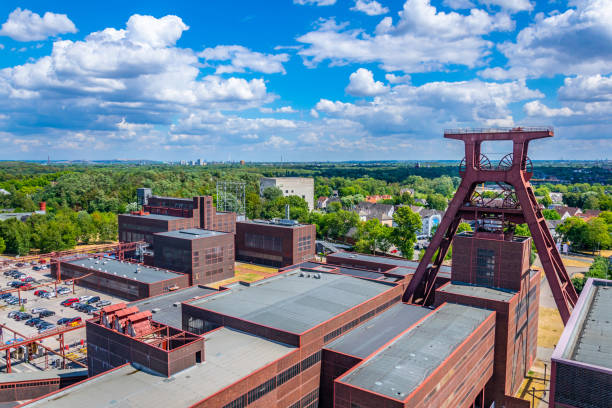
x=82 y=197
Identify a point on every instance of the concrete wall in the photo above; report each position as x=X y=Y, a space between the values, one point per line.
x=297 y=186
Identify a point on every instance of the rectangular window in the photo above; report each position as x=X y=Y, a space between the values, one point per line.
x=485 y=267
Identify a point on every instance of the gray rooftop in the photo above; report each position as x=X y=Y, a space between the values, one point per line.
x=590 y=335
x=191 y=233
x=406 y=263
x=154 y=217
x=127 y=270
x=229 y=357
x=478 y=291
x=291 y=302
x=42 y=375
x=167 y=308
x=370 y=336
x=399 y=368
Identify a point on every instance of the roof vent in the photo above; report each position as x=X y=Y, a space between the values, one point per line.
x=155 y=310
x=317 y=276
x=176 y=304
x=302 y=274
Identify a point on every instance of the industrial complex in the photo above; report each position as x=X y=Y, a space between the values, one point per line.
x=351 y=331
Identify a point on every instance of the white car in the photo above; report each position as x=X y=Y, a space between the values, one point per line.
x=63 y=291
x=48 y=295
x=37 y=310
x=83 y=299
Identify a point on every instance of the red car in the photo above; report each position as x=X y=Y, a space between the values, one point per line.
x=27 y=279
x=69 y=302
x=26 y=286
x=39 y=292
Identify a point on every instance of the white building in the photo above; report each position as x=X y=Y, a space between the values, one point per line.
x=297 y=186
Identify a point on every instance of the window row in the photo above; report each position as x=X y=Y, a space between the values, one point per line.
x=270 y=385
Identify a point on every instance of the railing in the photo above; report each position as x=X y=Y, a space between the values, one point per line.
x=498 y=130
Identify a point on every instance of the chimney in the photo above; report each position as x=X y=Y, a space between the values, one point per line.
x=43 y=206
x=287 y=212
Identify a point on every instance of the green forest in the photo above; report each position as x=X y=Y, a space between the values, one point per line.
x=83 y=200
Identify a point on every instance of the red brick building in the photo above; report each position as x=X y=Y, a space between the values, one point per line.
x=125 y=279
x=206 y=256
x=276 y=243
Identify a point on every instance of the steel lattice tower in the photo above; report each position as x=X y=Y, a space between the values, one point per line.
x=515 y=204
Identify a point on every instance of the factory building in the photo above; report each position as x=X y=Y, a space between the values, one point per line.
x=206 y=256
x=119 y=278
x=319 y=335
x=581 y=372
x=164 y=214
x=276 y=243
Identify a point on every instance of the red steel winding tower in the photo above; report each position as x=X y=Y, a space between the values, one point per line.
x=515 y=204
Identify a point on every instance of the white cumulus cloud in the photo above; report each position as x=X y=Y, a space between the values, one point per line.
x=577 y=41
x=24 y=25
x=370 y=7
x=409 y=44
x=242 y=59
x=510 y=5
x=362 y=83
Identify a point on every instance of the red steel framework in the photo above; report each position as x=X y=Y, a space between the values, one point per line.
x=515 y=204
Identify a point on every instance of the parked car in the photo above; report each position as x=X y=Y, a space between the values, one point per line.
x=84 y=298
x=37 y=268
x=27 y=279
x=47 y=327
x=69 y=301
x=20 y=264
x=46 y=313
x=92 y=300
x=64 y=320
x=39 y=292
x=75 y=321
x=12 y=314
x=89 y=309
x=33 y=321
x=26 y=286
x=41 y=323
x=79 y=306
x=48 y=295
x=22 y=316
x=11 y=272
x=15 y=300
x=62 y=290
x=37 y=310
x=14 y=284
x=103 y=303
x=5 y=295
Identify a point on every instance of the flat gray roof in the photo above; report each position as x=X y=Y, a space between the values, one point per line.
x=273 y=223
x=154 y=217
x=230 y=355
x=42 y=375
x=370 y=336
x=400 y=367
x=294 y=301
x=478 y=291
x=589 y=338
x=406 y=263
x=361 y=273
x=146 y=274
x=167 y=308
x=191 y=233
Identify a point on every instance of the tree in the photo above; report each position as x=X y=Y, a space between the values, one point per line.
x=551 y=214
x=545 y=201
x=334 y=206
x=254 y=205
x=16 y=236
x=2 y=245
x=464 y=227
x=404 y=234
x=272 y=193
x=436 y=202
x=372 y=235
x=339 y=223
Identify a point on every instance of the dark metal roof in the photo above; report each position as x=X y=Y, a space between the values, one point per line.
x=167 y=308
x=294 y=301
x=129 y=270
x=478 y=291
x=402 y=365
x=445 y=271
x=154 y=217
x=371 y=335
x=191 y=233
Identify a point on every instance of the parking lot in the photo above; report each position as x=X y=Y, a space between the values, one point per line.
x=72 y=339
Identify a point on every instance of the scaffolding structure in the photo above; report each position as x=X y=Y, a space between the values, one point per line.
x=231 y=197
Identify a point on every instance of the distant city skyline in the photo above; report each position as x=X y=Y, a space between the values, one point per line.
x=305 y=80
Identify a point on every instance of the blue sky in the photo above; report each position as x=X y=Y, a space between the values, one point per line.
x=302 y=79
